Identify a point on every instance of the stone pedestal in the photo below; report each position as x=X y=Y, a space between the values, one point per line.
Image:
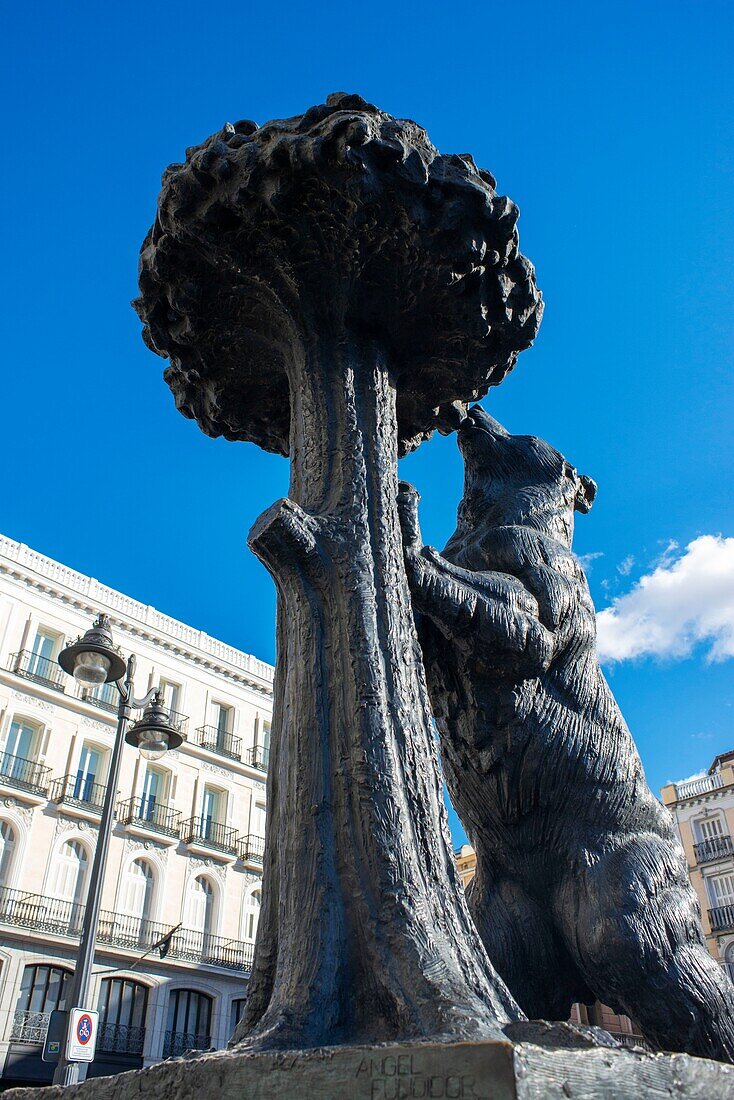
x=557 y=1062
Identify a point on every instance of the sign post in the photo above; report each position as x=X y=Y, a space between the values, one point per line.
x=82 y=1035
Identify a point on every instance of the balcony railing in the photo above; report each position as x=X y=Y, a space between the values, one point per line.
x=252 y=848
x=37 y=913
x=177 y=1043
x=209 y=834
x=29 y=1027
x=121 y=1039
x=721 y=917
x=26 y=775
x=147 y=814
x=715 y=847
x=702 y=785
x=78 y=791
x=625 y=1039
x=105 y=697
x=258 y=757
x=225 y=744
x=39 y=669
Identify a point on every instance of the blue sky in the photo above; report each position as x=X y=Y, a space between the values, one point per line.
x=610 y=126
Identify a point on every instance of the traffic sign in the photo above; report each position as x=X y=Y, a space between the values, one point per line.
x=82 y=1035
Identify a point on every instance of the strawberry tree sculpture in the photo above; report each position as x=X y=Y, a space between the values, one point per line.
x=328 y=286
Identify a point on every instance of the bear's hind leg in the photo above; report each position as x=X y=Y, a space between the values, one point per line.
x=524 y=946
x=632 y=921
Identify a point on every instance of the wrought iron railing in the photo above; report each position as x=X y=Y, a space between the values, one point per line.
x=258 y=757
x=625 y=1039
x=225 y=744
x=40 y=913
x=26 y=775
x=715 y=847
x=147 y=814
x=252 y=848
x=176 y=1043
x=180 y=721
x=209 y=834
x=29 y=1027
x=80 y=791
x=37 y=913
x=104 y=697
x=41 y=670
x=721 y=917
x=121 y=1039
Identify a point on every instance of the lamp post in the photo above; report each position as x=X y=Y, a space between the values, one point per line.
x=94 y=660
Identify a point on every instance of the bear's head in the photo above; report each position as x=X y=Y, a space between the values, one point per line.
x=517 y=479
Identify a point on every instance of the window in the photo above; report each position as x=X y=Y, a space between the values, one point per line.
x=122 y=1006
x=155 y=792
x=7 y=849
x=136 y=898
x=105 y=695
x=257 y=820
x=238 y=1007
x=42 y=989
x=70 y=873
x=251 y=915
x=188 y=1026
x=42 y=653
x=721 y=890
x=212 y=810
x=19 y=747
x=88 y=774
x=262 y=745
x=200 y=906
x=222 y=717
x=709 y=828
x=171 y=693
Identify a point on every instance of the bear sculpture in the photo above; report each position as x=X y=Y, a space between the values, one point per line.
x=581 y=889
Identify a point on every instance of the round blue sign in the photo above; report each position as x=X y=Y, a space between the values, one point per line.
x=84 y=1029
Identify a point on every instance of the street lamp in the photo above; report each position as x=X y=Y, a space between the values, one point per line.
x=94 y=660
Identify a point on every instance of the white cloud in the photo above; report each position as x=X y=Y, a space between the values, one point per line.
x=625 y=567
x=587 y=560
x=687 y=600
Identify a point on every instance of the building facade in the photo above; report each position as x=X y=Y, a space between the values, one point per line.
x=187 y=846
x=703 y=808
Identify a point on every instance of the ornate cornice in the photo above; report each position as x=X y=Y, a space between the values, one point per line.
x=60 y=582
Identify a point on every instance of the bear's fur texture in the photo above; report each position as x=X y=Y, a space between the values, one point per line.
x=581 y=890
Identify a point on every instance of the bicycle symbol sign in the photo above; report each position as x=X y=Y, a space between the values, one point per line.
x=84 y=1029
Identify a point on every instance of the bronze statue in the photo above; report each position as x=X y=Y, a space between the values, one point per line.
x=581 y=889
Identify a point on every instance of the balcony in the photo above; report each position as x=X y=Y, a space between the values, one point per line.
x=703 y=785
x=105 y=697
x=181 y=722
x=24 y=775
x=721 y=918
x=626 y=1039
x=145 y=816
x=79 y=793
x=120 y=1039
x=258 y=757
x=225 y=744
x=40 y=670
x=29 y=1027
x=252 y=848
x=177 y=1043
x=717 y=847
x=134 y=935
x=203 y=833
x=39 y=913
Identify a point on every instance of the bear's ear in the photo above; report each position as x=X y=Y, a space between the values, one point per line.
x=585 y=494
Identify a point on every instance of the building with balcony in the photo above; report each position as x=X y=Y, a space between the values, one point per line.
x=703 y=808
x=182 y=890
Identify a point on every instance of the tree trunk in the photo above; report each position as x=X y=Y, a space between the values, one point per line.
x=364 y=933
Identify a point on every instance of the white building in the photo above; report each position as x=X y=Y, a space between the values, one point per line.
x=188 y=841
x=703 y=808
